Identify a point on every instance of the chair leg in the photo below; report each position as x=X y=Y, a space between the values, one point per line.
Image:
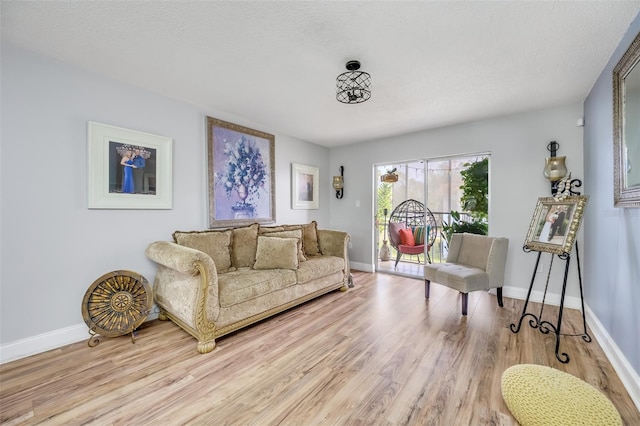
x=465 y=302
x=427 y=288
x=397 y=259
x=499 y=295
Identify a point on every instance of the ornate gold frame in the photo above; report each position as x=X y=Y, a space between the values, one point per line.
x=623 y=195
x=216 y=172
x=574 y=207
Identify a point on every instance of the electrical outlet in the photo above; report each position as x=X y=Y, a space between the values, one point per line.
x=540 y=269
x=350 y=244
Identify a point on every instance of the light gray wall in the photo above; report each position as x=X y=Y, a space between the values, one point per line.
x=517 y=145
x=612 y=235
x=53 y=247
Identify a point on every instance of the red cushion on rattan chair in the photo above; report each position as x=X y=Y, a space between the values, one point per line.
x=406 y=237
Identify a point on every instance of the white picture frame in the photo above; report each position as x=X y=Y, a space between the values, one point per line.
x=110 y=186
x=305 y=189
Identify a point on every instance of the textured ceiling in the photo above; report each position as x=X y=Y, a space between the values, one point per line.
x=433 y=63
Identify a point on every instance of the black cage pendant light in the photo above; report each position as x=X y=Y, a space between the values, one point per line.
x=353 y=86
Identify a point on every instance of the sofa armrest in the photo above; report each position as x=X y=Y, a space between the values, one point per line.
x=333 y=243
x=186 y=285
x=336 y=243
x=179 y=258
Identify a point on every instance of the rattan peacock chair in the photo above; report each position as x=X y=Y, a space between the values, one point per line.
x=412 y=215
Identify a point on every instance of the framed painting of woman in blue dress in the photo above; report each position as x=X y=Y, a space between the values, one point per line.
x=128 y=169
x=555 y=224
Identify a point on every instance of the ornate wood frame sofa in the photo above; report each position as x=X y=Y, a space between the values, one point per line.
x=214 y=282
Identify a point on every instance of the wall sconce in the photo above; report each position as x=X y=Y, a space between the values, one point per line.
x=338 y=183
x=554 y=167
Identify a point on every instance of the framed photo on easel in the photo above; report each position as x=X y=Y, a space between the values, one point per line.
x=555 y=224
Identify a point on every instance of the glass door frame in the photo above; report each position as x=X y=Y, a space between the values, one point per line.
x=425 y=194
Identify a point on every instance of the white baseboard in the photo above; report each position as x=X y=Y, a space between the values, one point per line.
x=365 y=267
x=629 y=377
x=45 y=342
x=553 y=299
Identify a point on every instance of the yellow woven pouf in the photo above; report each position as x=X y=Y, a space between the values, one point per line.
x=544 y=396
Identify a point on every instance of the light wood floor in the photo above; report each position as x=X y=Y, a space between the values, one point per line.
x=378 y=354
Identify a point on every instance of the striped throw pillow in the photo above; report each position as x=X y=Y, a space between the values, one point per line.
x=419 y=234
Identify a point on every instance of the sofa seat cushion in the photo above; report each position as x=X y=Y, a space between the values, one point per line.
x=246 y=284
x=419 y=249
x=459 y=277
x=318 y=266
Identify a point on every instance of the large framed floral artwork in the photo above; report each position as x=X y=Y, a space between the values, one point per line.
x=241 y=163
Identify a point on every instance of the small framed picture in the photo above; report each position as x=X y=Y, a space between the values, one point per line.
x=304 y=187
x=128 y=169
x=555 y=224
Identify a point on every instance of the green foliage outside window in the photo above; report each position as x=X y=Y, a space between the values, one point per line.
x=474 y=200
x=475 y=188
x=385 y=197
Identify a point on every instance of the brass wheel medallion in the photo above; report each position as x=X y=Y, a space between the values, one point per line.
x=116 y=304
x=121 y=301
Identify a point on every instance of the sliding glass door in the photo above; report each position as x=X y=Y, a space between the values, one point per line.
x=437 y=184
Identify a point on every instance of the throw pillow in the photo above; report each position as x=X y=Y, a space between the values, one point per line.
x=276 y=253
x=394 y=232
x=243 y=246
x=269 y=229
x=214 y=243
x=418 y=234
x=310 y=239
x=406 y=237
x=293 y=233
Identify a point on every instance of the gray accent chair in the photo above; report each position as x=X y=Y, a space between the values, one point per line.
x=474 y=262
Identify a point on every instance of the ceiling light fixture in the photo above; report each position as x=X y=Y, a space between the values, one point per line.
x=353 y=86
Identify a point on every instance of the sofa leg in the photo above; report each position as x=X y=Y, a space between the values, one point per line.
x=162 y=316
x=206 y=347
x=427 y=288
x=465 y=302
x=499 y=295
